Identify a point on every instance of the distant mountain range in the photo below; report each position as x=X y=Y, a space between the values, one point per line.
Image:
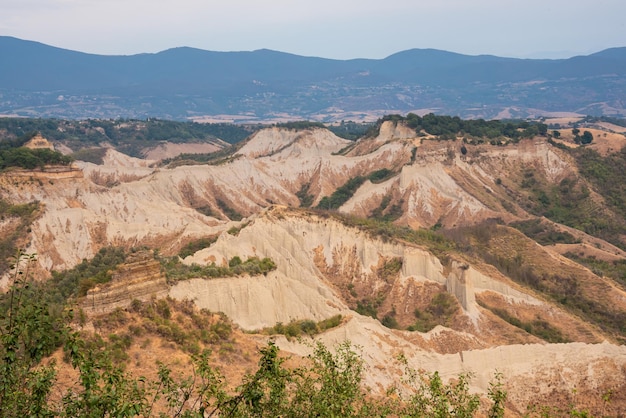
x=43 y=81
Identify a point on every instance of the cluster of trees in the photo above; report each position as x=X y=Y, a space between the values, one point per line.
x=117 y=130
x=344 y=192
x=449 y=127
x=14 y=154
x=584 y=139
x=127 y=134
x=31 y=158
x=253 y=266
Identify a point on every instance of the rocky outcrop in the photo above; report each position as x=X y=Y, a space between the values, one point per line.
x=39 y=142
x=139 y=278
x=50 y=172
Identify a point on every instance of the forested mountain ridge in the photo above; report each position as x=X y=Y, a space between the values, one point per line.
x=264 y=85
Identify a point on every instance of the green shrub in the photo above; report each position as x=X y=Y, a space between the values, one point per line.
x=342 y=194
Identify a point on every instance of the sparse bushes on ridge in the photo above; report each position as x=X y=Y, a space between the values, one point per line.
x=194 y=246
x=300 y=125
x=439 y=311
x=449 y=127
x=175 y=270
x=543 y=234
x=538 y=327
x=303 y=327
x=351 y=130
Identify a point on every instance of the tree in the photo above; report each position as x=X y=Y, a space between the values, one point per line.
x=586 y=138
x=27 y=336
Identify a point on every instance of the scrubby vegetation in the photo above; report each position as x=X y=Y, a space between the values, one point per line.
x=230 y=212
x=306 y=199
x=608 y=177
x=300 y=125
x=543 y=233
x=222 y=156
x=537 y=327
x=196 y=245
x=15 y=235
x=570 y=202
x=330 y=384
x=302 y=327
x=439 y=311
x=474 y=130
x=616 y=269
x=342 y=194
x=91 y=155
x=87 y=274
x=351 y=130
x=31 y=159
x=127 y=135
x=190 y=328
x=175 y=270
x=564 y=289
x=386 y=213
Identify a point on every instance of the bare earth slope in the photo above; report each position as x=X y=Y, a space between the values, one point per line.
x=475 y=342
x=326 y=267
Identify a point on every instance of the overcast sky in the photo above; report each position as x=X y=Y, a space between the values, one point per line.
x=339 y=29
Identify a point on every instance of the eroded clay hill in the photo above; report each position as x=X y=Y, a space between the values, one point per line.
x=451 y=309
x=128 y=202
x=326 y=268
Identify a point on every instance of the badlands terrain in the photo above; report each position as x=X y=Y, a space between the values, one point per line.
x=425 y=258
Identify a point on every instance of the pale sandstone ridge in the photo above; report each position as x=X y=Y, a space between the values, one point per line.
x=130 y=202
x=60 y=172
x=139 y=278
x=306 y=248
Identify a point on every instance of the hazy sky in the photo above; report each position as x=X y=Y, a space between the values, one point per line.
x=325 y=28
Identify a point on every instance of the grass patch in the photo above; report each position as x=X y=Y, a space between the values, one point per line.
x=442 y=307
x=538 y=327
x=544 y=234
x=615 y=270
